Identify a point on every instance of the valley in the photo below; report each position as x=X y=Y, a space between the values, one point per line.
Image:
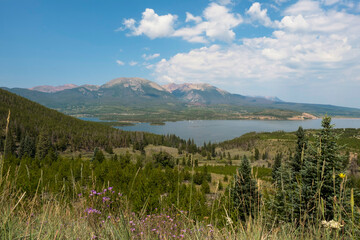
x=140 y=100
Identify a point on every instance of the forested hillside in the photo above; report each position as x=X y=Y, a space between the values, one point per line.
x=33 y=124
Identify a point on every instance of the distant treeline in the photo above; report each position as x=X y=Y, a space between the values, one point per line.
x=34 y=127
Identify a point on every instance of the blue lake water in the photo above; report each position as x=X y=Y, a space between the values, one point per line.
x=221 y=130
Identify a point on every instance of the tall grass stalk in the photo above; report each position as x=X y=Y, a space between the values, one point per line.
x=2 y=157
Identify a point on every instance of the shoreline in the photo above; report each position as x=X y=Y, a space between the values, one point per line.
x=251 y=118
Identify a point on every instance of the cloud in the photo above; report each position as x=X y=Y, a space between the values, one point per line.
x=121 y=63
x=309 y=46
x=151 y=25
x=303 y=6
x=217 y=25
x=293 y=23
x=150 y=56
x=133 y=63
x=330 y=2
x=256 y=14
x=190 y=17
x=192 y=34
x=223 y=2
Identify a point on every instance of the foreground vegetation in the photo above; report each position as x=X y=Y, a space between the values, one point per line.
x=132 y=196
x=301 y=185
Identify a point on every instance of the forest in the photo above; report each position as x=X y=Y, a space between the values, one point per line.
x=63 y=178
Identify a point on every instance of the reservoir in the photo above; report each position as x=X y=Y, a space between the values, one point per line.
x=220 y=130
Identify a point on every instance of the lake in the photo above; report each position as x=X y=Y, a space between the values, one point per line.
x=221 y=130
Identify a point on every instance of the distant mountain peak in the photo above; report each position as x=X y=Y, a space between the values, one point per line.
x=53 y=89
x=186 y=87
x=134 y=83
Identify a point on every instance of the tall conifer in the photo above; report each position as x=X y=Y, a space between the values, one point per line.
x=320 y=173
x=244 y=192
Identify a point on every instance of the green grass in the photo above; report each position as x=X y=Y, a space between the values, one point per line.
x=54 y=216
x=262 y=173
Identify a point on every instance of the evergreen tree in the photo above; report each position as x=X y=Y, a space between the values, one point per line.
x=27 y=147
x=43 y=145
x=320 y=172
x=164 y=159
x=10 y=147
x=301 y=146
x=98 y=156
x=244 y=192
x=276 y=166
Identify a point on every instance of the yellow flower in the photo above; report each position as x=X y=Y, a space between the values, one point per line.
x=342 y=175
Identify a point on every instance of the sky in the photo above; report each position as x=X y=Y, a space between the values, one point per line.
x=300 y=51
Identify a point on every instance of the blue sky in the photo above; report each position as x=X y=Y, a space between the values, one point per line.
x=300 y=51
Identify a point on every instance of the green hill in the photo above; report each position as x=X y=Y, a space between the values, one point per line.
x=31 y=121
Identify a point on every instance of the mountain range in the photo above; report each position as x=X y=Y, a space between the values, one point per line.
x=137 y=99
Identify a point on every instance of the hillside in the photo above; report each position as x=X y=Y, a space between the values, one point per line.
x=30 y=120
x=137 y=99
x=280 y=141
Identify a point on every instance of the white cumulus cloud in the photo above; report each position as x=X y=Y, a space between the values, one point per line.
x=257 y=14
x=218 y=24
x=190 y=17
x=151 y=24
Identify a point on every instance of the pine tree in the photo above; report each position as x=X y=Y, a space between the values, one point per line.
x=283 y=205
x=10 y=147
x=244 y=192
x=276 y=166
x=320 y=172
x=43 y=145
x=27 y=147
x=301 y=146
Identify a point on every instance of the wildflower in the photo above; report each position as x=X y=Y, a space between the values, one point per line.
x=110 y=188
x=92 y=210
x=342 y=175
